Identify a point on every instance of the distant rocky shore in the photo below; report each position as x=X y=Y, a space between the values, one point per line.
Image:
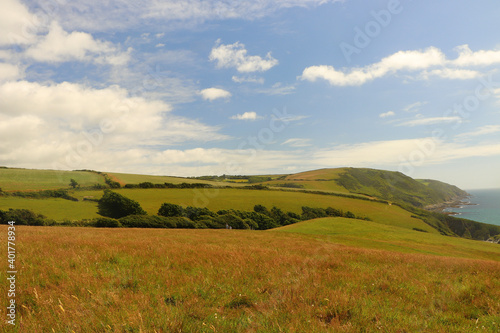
x=455 y=203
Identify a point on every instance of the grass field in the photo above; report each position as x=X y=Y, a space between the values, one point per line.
x=216 y=199
x=369 y=234
x=26 y=179
x=125 y=178
x=53 y=208
x=136 y=280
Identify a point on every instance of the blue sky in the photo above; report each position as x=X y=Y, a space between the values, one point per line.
x=196 y=87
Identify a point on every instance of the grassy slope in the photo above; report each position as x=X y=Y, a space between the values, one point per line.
x=133 y=280
x=124 y=178
x=375 y=235
x=383 y=184
x=27 y=179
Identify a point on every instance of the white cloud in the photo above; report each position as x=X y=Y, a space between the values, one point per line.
x=396 y=153
x=466 y=57
x=235 y=55
x=246 y=116
x=214 y=93
x=451 y=73
x=402 y=60
x=484 y=130
x=46 y=124
x=60 y=46
x=415 y=107
x=17 y=24
x=9 y=72
x=408 y=61
x=248 y=79
x=387 y=114
x=431 y=121
x=297 y=142
x=160 y=45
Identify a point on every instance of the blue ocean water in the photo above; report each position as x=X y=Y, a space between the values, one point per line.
x=485 y=206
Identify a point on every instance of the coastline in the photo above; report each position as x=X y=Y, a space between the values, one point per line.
x=455 y=203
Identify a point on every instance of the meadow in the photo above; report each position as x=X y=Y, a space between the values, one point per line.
x=28 y=179
x=166 y=280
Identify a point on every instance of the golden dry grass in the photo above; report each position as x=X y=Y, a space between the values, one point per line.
x=139 y=280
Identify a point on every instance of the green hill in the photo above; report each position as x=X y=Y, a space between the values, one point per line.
x=387 y=185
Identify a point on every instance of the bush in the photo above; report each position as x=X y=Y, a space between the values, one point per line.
x=152 y=221
x=22 y=217
x=168 y=209
x=105 y=222
x=115 y=205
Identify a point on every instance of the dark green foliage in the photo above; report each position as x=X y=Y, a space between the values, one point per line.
x=73 y=183
x=261 y=209
x=22 y=217
x=115 y=205
x=106 y=222
x=152 y=221
x=146 y=185
x=168 y=209
x=233 y=221
x=63 y=194
x=194 y=213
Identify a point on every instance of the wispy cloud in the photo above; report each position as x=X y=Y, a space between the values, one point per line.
x=248 y=79
x=484 y=130
x=431 y=121
x=297 y=142
x=235 y=56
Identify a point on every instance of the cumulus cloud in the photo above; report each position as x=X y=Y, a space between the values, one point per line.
x=402 y=60
x=409 y=61
x=387 y=114
x=214 y=93
x=235 y=56
x=17 y=24
x=60 y=46
x=9 y=72
x=72 y=125
x=246 y=116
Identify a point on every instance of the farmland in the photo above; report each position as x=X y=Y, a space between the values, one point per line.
x=390 y=272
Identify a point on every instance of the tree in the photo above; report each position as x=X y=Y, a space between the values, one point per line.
x=168 y=209
x=115 y=205
x=73 y=183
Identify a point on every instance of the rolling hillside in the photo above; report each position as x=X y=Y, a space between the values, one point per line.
x=387 y=185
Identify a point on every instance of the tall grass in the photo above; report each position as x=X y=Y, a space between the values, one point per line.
x=133 y=280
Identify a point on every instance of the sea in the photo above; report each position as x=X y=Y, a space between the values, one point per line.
x=482 y=206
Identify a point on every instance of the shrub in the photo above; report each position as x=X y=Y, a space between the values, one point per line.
x=168 y=209
x=115 y=205
x=105 y=222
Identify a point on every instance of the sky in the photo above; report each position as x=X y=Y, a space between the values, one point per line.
x=201 y=87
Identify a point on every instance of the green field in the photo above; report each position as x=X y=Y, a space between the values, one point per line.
x=369 y=234
x=217 y=199
x=27 y=179
x=125 y=178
